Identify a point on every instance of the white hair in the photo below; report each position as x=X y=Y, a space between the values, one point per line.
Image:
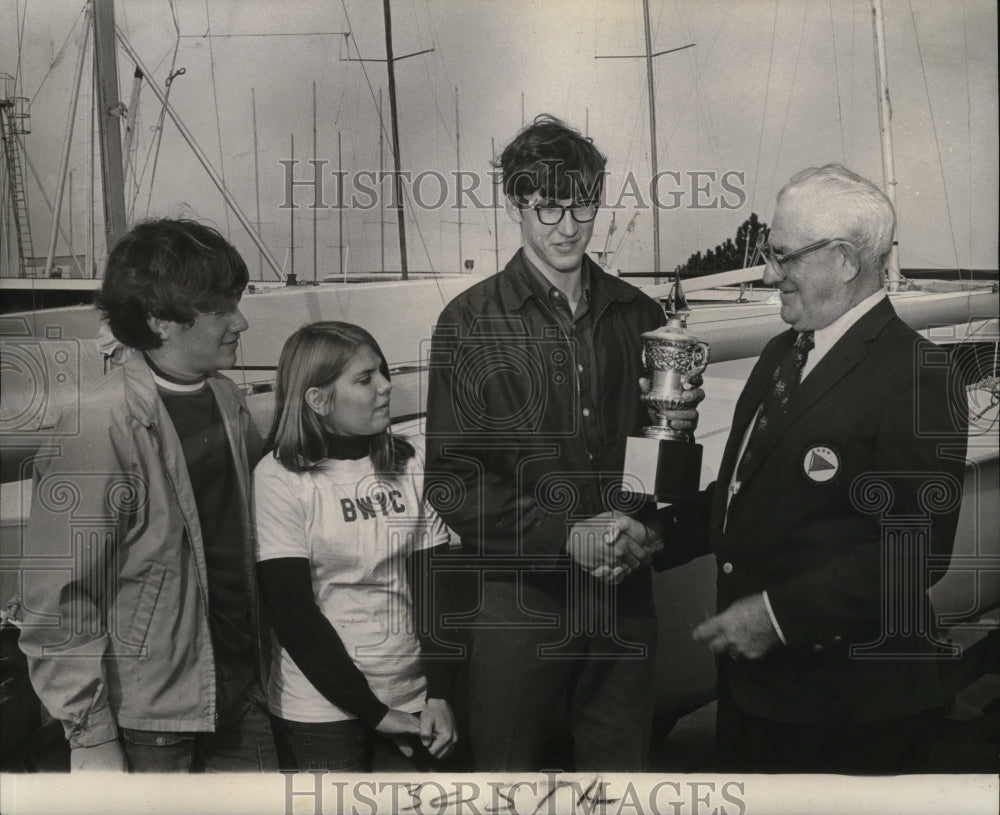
x=850 y=207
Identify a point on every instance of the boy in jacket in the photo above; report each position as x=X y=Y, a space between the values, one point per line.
x=143 y=636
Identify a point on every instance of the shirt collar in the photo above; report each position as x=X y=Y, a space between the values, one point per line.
x=826 y=338
x=545 y=290
x=166 y=382
x=515 y=285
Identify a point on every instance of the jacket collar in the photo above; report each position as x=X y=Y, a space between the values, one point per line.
x=515 y=285
x=140 y=389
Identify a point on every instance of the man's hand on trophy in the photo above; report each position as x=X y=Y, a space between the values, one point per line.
x=684 y=418
x=611 y=545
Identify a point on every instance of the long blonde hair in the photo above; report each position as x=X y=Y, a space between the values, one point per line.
x=314 y=357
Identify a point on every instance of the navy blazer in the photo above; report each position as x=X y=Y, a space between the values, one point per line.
x=845 y=520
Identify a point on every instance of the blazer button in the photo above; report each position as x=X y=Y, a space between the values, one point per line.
x=818 y=647
x=727 y=567
x=837 y=639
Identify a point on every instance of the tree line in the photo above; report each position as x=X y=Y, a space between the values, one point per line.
x=735 y=253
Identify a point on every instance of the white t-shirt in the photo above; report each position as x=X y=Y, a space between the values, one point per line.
x=356 y=530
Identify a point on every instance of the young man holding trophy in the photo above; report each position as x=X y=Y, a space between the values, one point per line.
x=534 y=387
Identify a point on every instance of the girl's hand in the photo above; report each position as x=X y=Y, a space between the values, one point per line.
x=437 y=728
x=397 y=725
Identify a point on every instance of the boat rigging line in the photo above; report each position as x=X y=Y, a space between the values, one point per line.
x=67 y=143
x=937 y=140
x=200 y=155
x=215 y=103
x=791 y=94
x=836 y=76
x=648 y=56
x=172 y=74
x=55 y=60
x=763 y=112
x=400 y=193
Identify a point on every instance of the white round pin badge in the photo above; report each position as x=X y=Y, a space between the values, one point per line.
x=820 y=464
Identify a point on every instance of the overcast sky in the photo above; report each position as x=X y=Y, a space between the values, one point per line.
x=769 y=88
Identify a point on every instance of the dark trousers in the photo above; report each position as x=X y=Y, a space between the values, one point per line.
x=531 y=649
x=346 y=746
x=748 y=743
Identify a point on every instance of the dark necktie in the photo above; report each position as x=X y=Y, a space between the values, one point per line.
x=784 y=380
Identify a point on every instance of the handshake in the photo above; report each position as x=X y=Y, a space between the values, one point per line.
x=612 y=545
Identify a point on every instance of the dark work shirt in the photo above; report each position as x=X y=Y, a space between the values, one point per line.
x=578 y=328
x=530 y=411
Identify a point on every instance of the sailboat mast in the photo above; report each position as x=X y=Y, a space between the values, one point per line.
x=340 y=209
x=396 y=185
x=91 y=138
x=131 y=117
x=458 y=163
x=381 y=176
x=256 y=179
x=885 y=133
x=200 y=155
x=67 y=143
x=316 y=209
x=109 y=123
x=651 y=94
x=652 y=137
x=496 y=235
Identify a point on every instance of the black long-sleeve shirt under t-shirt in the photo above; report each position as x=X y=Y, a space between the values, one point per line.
x=311 y=640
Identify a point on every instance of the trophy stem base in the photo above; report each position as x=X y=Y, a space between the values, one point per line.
x=660 y=432
x=662 y=470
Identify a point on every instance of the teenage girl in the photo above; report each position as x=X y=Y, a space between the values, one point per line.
x=339 y=506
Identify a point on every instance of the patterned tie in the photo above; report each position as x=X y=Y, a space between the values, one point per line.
x=784 y=380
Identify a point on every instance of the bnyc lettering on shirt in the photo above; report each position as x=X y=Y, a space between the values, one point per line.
x=369 y=508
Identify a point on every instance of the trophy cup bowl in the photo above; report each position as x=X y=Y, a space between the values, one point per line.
x=664 y=465
x=671 y=357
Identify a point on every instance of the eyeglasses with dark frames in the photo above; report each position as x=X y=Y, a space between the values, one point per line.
x=551 y=213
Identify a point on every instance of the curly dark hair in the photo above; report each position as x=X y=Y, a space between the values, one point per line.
x=554 y=159
x=170 y=269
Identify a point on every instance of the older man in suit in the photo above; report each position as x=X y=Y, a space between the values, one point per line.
x=835 y=509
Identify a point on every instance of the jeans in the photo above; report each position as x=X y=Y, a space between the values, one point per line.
x=346 y=746
x=244 y=745
x=242 y=740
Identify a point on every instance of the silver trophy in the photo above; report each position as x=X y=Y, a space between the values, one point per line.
x=665 y=464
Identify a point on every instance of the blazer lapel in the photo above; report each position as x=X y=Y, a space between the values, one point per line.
x=749 y=401
x=848 y=351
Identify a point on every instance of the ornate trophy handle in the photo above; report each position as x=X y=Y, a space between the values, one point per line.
x=699 y=362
